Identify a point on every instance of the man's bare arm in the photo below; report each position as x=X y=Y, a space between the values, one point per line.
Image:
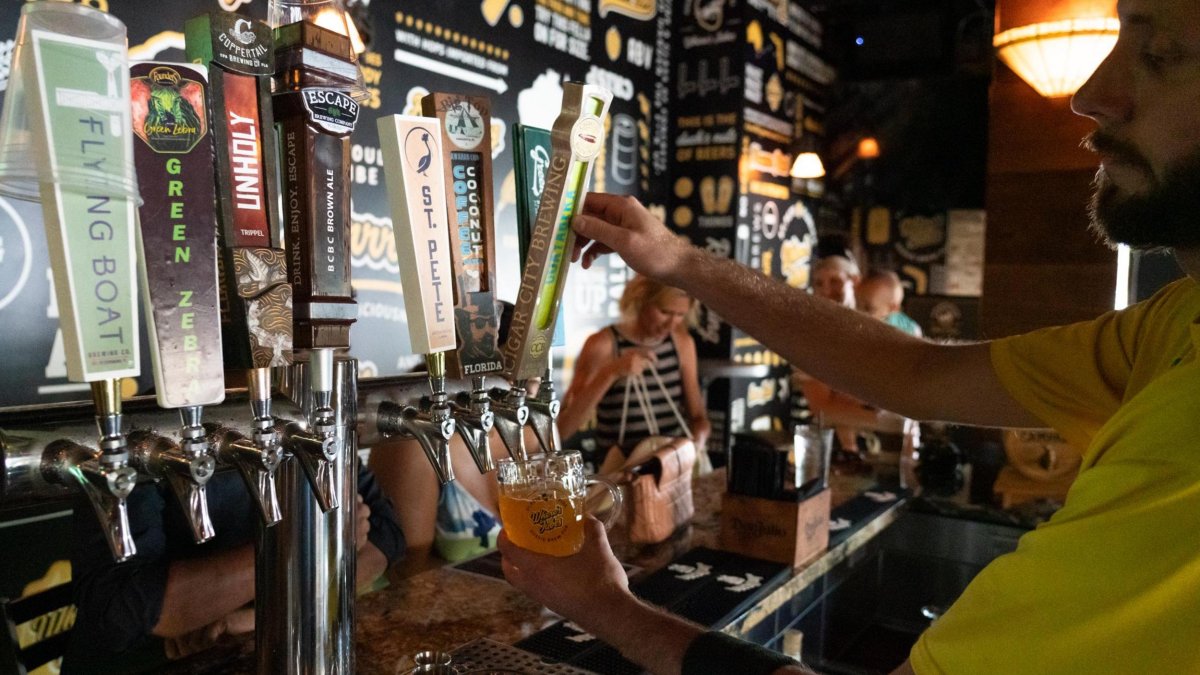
x=849 y=351
x=202 y=590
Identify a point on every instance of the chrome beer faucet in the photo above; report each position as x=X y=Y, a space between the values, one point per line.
x=316 y=448
x=187 y=467
x=512 y=414
x=543 y=415
x=474 y=420
x=256 y=458
x=432 y=427
x=105 y=476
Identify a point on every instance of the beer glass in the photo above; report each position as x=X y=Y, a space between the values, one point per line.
x=542 y=501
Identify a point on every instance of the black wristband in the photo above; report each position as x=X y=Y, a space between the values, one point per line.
x=714 y=652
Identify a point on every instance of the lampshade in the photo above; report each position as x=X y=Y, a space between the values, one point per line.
x=808 y=165
x=1057 y=57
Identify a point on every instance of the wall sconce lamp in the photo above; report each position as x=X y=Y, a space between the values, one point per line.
x=1057 y=57
x=808 y=165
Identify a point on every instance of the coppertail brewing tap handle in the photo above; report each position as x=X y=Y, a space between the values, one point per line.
x=412 y=164
x=255 y=297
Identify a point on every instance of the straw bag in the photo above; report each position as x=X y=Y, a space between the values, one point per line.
x=658 y=472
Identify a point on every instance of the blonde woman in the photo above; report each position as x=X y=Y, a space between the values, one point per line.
x=652 y=331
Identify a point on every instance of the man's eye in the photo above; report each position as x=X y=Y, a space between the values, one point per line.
x=1153 y=61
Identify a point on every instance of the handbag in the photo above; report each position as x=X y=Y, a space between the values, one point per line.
x=657 y=473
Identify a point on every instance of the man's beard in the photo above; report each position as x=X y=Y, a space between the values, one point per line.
x=1166 y=216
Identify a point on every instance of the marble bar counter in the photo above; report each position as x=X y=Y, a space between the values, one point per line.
x=440 y=607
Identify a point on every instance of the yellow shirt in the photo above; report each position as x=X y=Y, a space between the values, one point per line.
x=1111 y=583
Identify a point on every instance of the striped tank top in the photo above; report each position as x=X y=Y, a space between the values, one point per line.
x=608 y=411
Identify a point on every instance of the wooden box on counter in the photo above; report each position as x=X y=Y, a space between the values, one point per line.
x=781 y=531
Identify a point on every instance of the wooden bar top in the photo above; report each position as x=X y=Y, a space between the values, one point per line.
x=442 y=608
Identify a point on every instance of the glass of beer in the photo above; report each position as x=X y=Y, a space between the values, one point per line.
x=542 y=501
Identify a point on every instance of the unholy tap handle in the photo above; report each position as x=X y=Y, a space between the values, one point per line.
x=256 y=297
x=412 y=162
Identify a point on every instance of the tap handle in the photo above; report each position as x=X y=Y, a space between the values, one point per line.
x=437 y=451
x=432 y=430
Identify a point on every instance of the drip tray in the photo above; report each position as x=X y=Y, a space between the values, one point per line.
x=483 y=654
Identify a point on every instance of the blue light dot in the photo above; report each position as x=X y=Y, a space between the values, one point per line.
x=859 y=41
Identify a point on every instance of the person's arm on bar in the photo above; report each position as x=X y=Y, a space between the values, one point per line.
x=590 y=588
x=847 y=350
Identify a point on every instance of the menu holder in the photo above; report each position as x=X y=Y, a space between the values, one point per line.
x=577 y=138
x=465 y=124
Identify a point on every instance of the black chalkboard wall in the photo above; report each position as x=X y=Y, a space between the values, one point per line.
x=515 y=51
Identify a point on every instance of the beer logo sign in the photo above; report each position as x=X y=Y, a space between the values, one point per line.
x=169 y=111
x=587 y=138
x=464 y=124
x=241 y=32
x=331 y=109
x=418 y=150
x=538 y=345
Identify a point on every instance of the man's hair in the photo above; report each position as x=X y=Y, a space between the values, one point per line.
x=887 y=279
x=840 y=263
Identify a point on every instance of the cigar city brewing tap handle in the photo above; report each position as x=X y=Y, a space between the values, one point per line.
x=412 y=165
x=255 y=296
x=464 y=124
x=577 y=138
x=315 y=115
x=177 y=254
x=68 y=103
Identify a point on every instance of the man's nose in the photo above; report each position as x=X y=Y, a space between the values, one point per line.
x=1105 y=97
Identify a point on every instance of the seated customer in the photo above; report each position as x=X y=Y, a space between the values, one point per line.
x=836 y=278
x=881 y=294
x=175 y=596
x=650 y=337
